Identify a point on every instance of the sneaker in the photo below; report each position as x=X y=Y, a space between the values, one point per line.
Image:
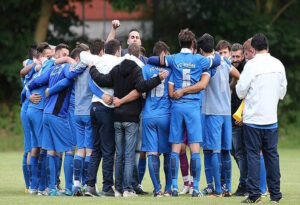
x=118 y=194
x=67 y=192
x=197 y=194
x=240 y=191
x=274 y=201
x=207 y=191
x=129 y=194
x=140 y=190
x=185 y=190
x=58 y=187
x=158 y=194
x=26 y=191
x=91 y=191
x=167 y=193
x=251 y=201
x=227 y=193
x=42 y=193
x=109 y=193
x=175 y=192
x=33 y=191
x=264 y=194
x=54 y=192
x=77 y=192
x=191 y=189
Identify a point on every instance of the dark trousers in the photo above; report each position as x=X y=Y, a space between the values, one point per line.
x=238 y=151
x=265 y=140
x=104 y=145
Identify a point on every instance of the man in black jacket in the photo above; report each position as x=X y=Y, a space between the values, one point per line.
x=124 y=78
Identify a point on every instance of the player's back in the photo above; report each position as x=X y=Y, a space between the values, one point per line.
x=157 y=100
x=187 y=69
x=216 y=96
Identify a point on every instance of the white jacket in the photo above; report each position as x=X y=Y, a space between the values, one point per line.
x=262 y=83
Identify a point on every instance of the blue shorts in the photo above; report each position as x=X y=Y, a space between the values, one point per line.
x=57 y=134
x=84 y=137
x=155 y=134
x=187 y=115
x=35 y=118
x=72 y=123
x=217 y=132
x=26 y=131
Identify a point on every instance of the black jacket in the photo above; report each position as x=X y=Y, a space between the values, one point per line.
x=235 y=101
x=124 y=78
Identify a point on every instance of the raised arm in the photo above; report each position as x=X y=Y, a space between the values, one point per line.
x=25 y=70
x=112 y=34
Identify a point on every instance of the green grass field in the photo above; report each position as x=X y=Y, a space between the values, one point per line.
x=12 y=186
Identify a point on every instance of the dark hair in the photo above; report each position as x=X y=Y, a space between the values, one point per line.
x=76 y=52
x=143 y=51
x=42 y=46
x=96 y=46
x=237 y=47
x=206 y=43
x=134 y=49
x=260 y=42
x=195 y=46
x=61 y=46
x=32 y=52
x=159 y=47
x=222 y=44
x=185 y=38
x=112 y=46
x=133 y=29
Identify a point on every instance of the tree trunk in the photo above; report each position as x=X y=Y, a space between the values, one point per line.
x=41 y=28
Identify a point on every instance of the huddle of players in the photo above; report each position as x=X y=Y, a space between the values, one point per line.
x=63 y=108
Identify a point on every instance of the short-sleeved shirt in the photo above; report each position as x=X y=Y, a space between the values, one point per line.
x=216 y=96
x=157 y=100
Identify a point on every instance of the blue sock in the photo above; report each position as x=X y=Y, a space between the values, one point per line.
x=42 y=170
x=142 y=169
x=196 y=168
x=29 y=172
x=153 y=165
x=222 y=170
x=25 y=170
x=215 y=166
x=174 y=163
x=208 y=168
x=226 y=161
x=85 y=169
x=47 y=171
x=68 y=170
x=78 y=165
x=263 y=176
x=52 y=171
x=167 y=171
x=58 y=161
x=34 y=172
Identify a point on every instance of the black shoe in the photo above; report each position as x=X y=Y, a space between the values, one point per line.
x=240 y=191
x=110 y=192
x=175 y=192
x=139 y=190
x=91 y=191
x=77 y=192
x=251 y=201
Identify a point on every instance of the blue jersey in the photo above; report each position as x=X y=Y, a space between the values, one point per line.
x=157 y=100
x=187 y=69
x=57 y=104
x=25 y=80
x=46 y=66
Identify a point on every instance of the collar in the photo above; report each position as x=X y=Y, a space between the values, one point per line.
x=186 y=50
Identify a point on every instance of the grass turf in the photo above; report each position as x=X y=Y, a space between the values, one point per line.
x=12 y=186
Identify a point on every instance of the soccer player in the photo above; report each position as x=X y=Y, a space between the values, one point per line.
x=124 y=78
x=224 y=47
x=217 y=122
x=156 y=123
x=35 y=117
x=24 y=119
x=187 y=69
x=262 y=84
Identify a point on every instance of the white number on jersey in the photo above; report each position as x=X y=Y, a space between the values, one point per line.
x=186 y=77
